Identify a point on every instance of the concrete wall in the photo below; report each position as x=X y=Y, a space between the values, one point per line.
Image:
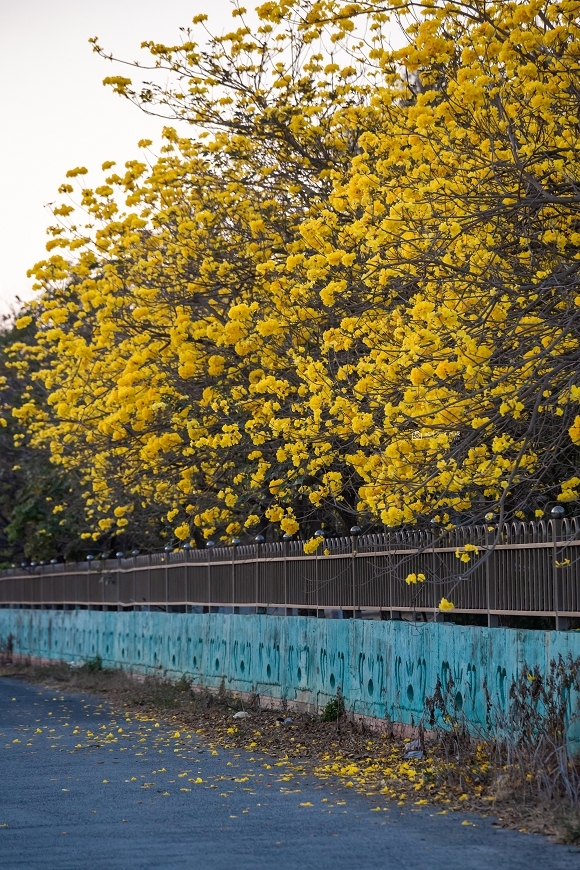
x=382 y=668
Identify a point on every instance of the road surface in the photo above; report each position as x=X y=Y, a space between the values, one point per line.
x=83 y=788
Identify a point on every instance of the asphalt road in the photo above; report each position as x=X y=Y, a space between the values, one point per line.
x=81 y=787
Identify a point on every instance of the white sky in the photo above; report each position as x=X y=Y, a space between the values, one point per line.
x=56 y=114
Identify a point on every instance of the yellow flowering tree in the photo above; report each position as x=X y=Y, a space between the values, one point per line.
x=449 y=267
x=351 y=294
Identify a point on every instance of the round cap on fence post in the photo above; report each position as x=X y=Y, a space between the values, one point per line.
x=187 y=546
x=558 y=512
x=209 y=544
x=54 y=561
x=23 y=564
x=354 y=533
x=259 y=539
x=119 y=555
x=287 y=537
x=319 y=533
x=236 y=542
x=90 y=557
x=168 y=548
x=134 y=553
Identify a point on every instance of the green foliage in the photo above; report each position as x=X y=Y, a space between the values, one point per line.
x=334 y=709
x=94 y=665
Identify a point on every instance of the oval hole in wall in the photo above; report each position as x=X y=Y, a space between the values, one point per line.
x=459 y=701
x=194 y=661
x=107 y=649
x=332 y=681
x=217 y=664
x=268 y=671
x=173 y=659
x=139 y=654
x=370 y=687
x=410 y=692
x=242 y=666
x=123 y=652
x=299 y=674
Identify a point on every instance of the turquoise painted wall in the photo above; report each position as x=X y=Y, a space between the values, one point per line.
x=382 y=668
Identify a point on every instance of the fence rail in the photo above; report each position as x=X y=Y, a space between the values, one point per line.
x=528 y=569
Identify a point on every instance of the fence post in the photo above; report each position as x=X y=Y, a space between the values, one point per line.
x=557 y=517
x=259 y=541
x=257 y=574
x=490 y=578
x=119 y=581
x=319 y=534
x=286 y=541
x=235 y=543
x=209 y=581
x=354 y=533
x=168 y=551
x=149 y=582
x=209 y=546
x=89 y=560
x=186 y=603
x=438 y=615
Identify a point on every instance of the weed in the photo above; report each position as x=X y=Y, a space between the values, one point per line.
x=529 y=755
x=569 y=828
x=94 y=665
x=334 y=709
x=183 y=684
x=7 y=649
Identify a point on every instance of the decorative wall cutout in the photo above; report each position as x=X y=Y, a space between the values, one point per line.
x=501 y=680
x=471 y=683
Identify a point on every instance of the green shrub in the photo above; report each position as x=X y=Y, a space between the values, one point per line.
x=92 y=666
x=334 y=709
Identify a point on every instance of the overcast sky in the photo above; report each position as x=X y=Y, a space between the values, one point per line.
x=55 y=113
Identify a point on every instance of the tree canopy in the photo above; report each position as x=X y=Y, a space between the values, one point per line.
x=344 y=291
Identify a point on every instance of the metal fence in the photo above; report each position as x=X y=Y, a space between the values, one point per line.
x=528 y=569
